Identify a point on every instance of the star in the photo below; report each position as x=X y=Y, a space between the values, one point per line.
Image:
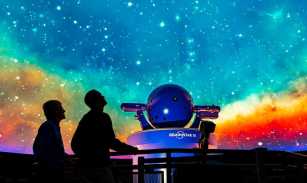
x=162 y=24
x=59 y=8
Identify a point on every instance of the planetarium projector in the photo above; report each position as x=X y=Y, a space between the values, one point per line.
x=169 y=111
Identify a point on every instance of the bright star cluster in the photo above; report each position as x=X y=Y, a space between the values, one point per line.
x=249 y=57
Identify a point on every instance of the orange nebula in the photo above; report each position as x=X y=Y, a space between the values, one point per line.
x=277 y=121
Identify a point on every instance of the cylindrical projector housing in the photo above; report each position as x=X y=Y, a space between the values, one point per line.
x=133 y=107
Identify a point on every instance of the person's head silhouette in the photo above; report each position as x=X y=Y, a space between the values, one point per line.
x=94 y=100
x=53 y=110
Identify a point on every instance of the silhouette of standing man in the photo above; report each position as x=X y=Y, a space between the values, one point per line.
x=93 y=139
x=48 y=145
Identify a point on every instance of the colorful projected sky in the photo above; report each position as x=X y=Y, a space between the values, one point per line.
x=249 y=57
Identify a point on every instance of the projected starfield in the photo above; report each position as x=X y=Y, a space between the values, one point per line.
x=248 y=57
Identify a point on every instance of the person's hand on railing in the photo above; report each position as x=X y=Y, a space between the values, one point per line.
x=133 y=149
x=128 y=149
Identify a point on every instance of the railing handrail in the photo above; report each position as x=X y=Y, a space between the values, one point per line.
x=199 y=152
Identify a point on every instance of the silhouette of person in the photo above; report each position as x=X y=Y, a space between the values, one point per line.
x=48 y=146
x=93 y=139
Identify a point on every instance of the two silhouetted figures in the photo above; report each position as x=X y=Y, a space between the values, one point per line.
x=93 y=139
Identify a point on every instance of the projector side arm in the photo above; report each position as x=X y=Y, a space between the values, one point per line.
x=143 y=121
x=138 y=109
x=204 y=112
x=196 y=121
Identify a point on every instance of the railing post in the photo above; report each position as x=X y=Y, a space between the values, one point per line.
x=168 y=168
x=301 y=171
x=141 y=170
x=259 y=165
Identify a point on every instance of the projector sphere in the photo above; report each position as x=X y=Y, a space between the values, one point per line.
x=169 y=106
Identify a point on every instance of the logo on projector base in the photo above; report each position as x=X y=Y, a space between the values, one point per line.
x=181 y=135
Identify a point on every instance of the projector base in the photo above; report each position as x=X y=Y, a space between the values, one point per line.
x=185 y=138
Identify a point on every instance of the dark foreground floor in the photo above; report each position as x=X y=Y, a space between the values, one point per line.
x=229 y=166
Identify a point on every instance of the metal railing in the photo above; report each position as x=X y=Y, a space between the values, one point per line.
x=259 y=160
